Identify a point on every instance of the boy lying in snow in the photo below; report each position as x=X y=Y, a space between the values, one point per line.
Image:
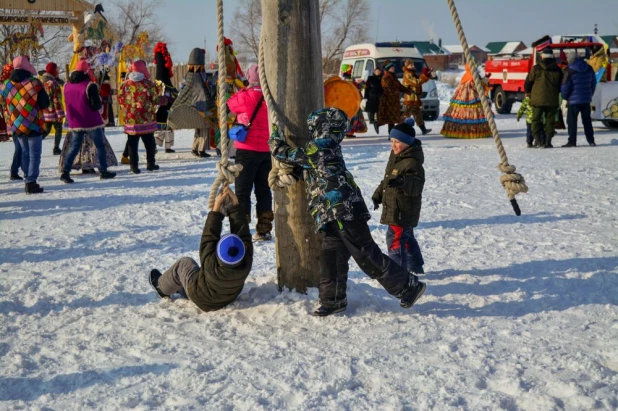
x=338 y=209
x=226 y=261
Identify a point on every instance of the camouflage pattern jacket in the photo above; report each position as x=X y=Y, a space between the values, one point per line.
x=331 y=190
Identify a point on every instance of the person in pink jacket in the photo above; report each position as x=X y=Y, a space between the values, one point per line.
x=254 y=155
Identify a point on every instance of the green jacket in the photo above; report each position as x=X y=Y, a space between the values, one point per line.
x=217 y=286
x=525 y=110
x=543 y=84
x=402 y=205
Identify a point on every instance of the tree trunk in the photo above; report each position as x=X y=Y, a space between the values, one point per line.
x=293 y=60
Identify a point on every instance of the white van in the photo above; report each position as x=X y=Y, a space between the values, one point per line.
x=364 y=58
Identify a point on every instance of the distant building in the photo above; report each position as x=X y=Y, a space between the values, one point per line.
x=611 y=41
x=504 y=48
x=435 y=55
x=457 y=55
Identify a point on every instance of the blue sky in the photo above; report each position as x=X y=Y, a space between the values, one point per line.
x=189 y=23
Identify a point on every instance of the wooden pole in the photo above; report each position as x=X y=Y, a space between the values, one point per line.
x=293 y=66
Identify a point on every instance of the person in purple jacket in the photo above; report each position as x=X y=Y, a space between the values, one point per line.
x=254 y=154
x=83 y=102
x=577 y=89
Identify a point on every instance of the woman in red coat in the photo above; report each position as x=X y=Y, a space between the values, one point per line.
x=254 y=154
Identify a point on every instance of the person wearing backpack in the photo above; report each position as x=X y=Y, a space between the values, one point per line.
x=254 y=154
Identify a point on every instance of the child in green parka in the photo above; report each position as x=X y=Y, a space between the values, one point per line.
x=526 y=110
x=400 y=194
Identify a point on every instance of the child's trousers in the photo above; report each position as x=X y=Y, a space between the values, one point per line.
x=345 y=239
x=182 y=273
x=404 y=249
x=530 y=137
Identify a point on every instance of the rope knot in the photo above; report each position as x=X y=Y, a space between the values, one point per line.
x=281 y=176
x=512 y=182
x=229 y=171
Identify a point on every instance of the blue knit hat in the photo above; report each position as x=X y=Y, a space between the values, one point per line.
x=230 y=250
x=404 y=132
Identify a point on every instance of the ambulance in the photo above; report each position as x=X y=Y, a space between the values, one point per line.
x=364 y=58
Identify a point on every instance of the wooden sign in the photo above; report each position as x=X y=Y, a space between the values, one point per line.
x=21 y=19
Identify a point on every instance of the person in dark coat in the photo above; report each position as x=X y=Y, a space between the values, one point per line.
x=400 y=194
x=373 y=92
x=339 y=211
x=225 y=261
x=543 y=86
x=164 y=73
x=578 y=88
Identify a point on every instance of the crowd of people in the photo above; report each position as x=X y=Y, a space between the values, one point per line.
x=546 y=86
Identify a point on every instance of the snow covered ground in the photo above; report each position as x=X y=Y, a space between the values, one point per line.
x=519 y=313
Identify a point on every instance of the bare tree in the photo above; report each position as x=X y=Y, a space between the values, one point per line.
x=129 y=18
x=342 y=22
x=246 y=28
x=345 y=23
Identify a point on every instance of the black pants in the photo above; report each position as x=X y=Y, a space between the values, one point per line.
x=110 y=116
x=530 y=138
x=572 y=113
x=372 y=116
x=254 y=176
x=345 y=239
x=57 y=130
x=149 y=143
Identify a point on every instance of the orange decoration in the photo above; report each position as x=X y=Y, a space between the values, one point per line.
x=343 y=95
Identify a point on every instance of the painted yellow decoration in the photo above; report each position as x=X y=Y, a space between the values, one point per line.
x=342 y=95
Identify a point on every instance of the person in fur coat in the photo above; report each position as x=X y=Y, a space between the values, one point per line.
x=389 y=111
x=412 y=102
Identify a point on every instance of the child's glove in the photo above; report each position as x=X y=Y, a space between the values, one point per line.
x=376 y=203
x=396 y=182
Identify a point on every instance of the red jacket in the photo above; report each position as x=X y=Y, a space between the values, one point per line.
x=139 y=98
x=242 y=104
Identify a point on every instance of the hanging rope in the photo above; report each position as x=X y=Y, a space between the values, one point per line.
x=512 y=182
x=280 y=175
x=227 y=172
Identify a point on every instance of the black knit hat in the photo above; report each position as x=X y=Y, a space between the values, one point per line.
x=197 y=57
x=404 y=132
x=162 y=73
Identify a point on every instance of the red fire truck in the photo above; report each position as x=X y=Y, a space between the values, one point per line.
x=508 y=76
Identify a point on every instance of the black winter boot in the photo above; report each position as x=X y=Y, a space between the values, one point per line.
x=153 y=278
x=412 y=293
x=324 y=311
x=425 y=130
x=15 y=177
x=66 y=178
x=33 y=188
x=106 y=175
x=56 y=151
x=152 y=167
x=264 y=226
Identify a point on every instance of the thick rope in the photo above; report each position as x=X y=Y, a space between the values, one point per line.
x=512 y=182
x=227 y=172
x=280 y=175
